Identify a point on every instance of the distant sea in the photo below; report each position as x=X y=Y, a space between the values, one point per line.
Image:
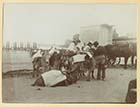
x=18 y=60
x=15 y=60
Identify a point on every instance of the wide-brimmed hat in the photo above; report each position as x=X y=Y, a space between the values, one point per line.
x=90 y=43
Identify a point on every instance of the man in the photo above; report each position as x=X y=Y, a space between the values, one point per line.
x=37 y=62
x=99 y=54
x=76 y=47
x=95 y=45
x=37 y=54
x=88 y=46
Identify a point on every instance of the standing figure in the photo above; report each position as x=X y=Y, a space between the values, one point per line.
x=99 y=55
x=37 y=63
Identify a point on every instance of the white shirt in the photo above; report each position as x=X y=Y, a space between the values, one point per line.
x=80 y=45
x=86 y=48
x=38 y=54
x=72 y=47
x=53 y=50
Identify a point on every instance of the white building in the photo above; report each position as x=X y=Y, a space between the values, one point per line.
x=101 y=33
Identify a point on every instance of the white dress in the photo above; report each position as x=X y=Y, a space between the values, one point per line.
x=72 y=47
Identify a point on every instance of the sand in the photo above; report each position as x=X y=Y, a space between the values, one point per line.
x=113 y=90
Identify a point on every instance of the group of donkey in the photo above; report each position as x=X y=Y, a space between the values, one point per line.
x=64 y=59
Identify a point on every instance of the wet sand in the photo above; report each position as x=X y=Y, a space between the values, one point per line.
x=113 y=90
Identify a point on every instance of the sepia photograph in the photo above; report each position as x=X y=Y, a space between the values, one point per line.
x=69 y=53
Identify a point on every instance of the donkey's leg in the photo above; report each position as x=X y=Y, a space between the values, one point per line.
x=88 y=76
x=93 y=74
x=34 y=73
x=125 y=61
x=99 y=72
x=103 y=72
x=132 y=60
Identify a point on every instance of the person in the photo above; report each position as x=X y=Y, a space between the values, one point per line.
x=52 y=50
x=76 y=47
x=37 y=62
x=99 y=55
x=73 y=47
x=131 y=96
x=37 y=54
x=88 y=46
x=95 y=45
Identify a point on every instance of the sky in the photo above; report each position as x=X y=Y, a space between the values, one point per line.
x=55 y=23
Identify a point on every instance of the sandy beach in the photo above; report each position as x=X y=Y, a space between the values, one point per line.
x=113 y=90
x=50 y=36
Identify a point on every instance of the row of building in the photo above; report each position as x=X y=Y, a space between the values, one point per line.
x=104 y=34
x=19 y=46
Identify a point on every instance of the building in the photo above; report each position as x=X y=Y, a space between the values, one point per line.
x=7 y=45
x=34 y=45
x=21 y=46
x=127 y=38
x=28 y=46
x=102 y=33
x=15 y=46
x=124 y=40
